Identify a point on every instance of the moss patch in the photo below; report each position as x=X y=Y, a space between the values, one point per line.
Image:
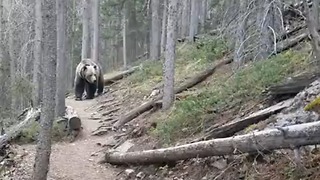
x=315 y=104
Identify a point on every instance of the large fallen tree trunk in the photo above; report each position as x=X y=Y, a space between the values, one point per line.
x=237 y=125
x=270 y=139
x=118 y=76
x=31 y=115
x=294 y=85
x=188 y=84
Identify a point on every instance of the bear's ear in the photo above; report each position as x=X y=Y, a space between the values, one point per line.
x=84 y=68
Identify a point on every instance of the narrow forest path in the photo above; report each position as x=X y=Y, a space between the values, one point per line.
x=73 y=161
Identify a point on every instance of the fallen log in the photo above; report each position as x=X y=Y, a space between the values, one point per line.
x=74 y=121
x=31 y=115
x=237 y=125
x=188 y=84
x=294 y=85
x=270 y=139
x=290 y=32
x=118 y=76
x=292 y=42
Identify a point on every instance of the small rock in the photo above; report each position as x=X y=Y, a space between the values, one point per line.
x=170 y=173
x=204 y=178
x=220 y=164
x=129 y=172
x=140 y=175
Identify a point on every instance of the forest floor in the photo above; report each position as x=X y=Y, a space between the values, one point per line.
x=72 y=161
x=219 y=99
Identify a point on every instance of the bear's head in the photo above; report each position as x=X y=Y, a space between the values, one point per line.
x=90 y=73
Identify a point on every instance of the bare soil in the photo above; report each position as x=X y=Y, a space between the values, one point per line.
x=72 y=161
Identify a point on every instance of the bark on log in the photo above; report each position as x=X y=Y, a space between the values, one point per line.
x=188 y=84
x=270 y=139
x=294 y=85
x=288 y=34
x=30 y=116
x=74 y=122
x=237 y=125
x=118 y=76
x=292 y=42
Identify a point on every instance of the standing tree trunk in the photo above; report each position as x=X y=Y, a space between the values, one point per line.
x=168 y=91
x=185 y=18
x=85 y=30
x=132 y=31
x=61 y=59
x=264 y=22
x=13 y=63
x=124 y=36
x=164 y=26
x=43 y=150
x=194 y=21
x=155 y=30
x=95 y=41
x=203 y=14
x=240 y=34
x=313 y=25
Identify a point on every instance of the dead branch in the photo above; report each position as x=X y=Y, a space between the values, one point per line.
x=278 y=138
x=118 y=76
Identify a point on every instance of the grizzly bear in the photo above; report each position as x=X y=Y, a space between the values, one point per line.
x=89 y=78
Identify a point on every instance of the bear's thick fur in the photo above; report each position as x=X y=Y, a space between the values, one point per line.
x=88 y=77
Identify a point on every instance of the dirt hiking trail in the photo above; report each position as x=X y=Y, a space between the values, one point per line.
x=73 y=161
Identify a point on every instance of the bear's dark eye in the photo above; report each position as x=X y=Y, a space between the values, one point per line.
x=95 y=67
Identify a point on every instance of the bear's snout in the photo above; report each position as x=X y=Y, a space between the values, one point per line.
x=94 y=81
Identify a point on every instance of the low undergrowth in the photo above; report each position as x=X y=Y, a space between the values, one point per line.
x=188 y=115
x=191 y=58
x=29 y=135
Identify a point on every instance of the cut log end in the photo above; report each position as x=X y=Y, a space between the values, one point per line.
x=74 y=123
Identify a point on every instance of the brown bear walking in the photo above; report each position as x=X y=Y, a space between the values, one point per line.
x=88 y=77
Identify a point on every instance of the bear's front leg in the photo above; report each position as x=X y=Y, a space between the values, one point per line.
x=79 y=88
x=100 y=85
x=90 y=90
